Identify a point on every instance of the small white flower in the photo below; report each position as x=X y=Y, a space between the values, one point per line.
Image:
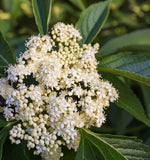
x=8 y=112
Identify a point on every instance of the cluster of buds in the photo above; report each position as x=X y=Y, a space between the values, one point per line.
x=53 y=90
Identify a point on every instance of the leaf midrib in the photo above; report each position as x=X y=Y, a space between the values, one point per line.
x=103 y=142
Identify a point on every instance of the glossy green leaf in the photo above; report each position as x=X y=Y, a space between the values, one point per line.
x=135 y=66
x=78 y=3
x=131 y=147
x=92 y=20
x=6 y=56
x=42 y=13
x=128 y=100
x=92 y=147
x=129 y=41
x=111 y=147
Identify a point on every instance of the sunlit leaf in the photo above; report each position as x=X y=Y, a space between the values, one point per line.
x=92 y=20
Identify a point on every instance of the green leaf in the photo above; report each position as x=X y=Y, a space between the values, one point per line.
x=13 y=151
x=131 y=147
x=111 y=147
x=3 y=121
x=91 y=146
x=2 y=75
x=146 y=93
x=119 y=119
x=78 y=3
x=135 y=66
x=5 y=25
x=29 y=154
x=129 y=41
x=127 y=99
x=133 y=76
x=3 y=135
x=92 y=20
x=19 y=45
x=42 y=13
x=18 y=151
x=68 y=154
x=2 y=70
x=6 y=55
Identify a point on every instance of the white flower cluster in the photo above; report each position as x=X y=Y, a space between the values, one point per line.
x=53 y=90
